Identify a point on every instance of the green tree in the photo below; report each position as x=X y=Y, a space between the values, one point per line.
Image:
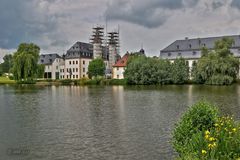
x=217 y=67
x=40 y=70
x=1 y=71
x=25 y=62
x=180 y=71
x=144 y=70
x=7 y=64
x=96 y=68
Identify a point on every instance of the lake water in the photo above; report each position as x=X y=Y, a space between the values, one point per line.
x=99 y=123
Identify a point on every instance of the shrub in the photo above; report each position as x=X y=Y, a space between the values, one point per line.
x=222 y=141
x=91 y=82
x=66 y=82
x=201 y=116
x=220 y=80
x=118 y=82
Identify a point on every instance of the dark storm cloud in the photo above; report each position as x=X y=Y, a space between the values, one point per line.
x=150 y=14
x=24 y=21
x=236 y=3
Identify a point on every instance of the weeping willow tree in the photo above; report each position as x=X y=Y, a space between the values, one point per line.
x=25 y=62
x=217 y=67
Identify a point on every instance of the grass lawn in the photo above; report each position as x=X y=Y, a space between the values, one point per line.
x=5 y=80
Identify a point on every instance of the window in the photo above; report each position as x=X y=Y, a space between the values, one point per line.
x=77 y=76
x=76 y=69
x=76 y=62
x=190 y=46
x=73 y=62
x=83 y=62
x=179 y=54
x=169 y=54
x=178 y=47
x=194 y=53
x=67 y=76
x=73 y=69
x=117 y=68
x=84 y=75
x=83 y=69
x=69 y=62
x=56 y=67
x=73 y=76
x=117 y=76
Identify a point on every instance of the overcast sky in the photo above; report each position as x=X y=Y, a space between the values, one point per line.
x=55 y=25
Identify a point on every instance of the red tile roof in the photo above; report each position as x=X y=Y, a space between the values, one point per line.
x=122 y=62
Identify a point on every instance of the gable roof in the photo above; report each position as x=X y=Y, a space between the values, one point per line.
x=122 y=62
x=198 y=43
x=48 y=59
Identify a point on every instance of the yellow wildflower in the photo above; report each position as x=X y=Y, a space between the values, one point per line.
x=211 y=139
x=206 y=136
x=214 y=144
x=234 y=129
x=207 y=132
x=204 y=151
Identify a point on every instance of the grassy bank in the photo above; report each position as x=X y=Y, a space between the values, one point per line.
x=5 y=80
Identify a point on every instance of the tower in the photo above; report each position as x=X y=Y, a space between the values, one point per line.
x=96 y=40
x=113 y=44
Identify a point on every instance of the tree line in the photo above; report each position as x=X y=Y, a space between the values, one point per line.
x=215 y=67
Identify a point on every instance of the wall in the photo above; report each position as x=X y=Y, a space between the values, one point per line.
x=118 y=72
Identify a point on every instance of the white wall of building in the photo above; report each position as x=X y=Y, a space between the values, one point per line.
x=54 y=68
x=118 y=72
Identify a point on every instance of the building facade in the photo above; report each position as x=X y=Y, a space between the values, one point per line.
x=190 y=49
x=53 y=64
x=119 y=67
x=77 y=60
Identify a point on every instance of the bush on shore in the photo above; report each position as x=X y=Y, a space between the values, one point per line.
x=203 y=134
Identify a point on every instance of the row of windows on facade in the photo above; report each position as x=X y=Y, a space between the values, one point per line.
x=71 y=70
x=82 y=53
x=190 y=46
x=179 y=54
x=72 y=76
x=75 y=62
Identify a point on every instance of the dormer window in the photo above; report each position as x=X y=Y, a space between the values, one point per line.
x=50 y=60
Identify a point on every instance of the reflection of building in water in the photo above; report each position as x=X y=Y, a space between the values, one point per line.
x=190 y=95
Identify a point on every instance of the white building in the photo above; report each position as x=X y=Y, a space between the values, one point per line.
x=190 y=49
x=53 y=64
x=119 y=67
x=77 y=60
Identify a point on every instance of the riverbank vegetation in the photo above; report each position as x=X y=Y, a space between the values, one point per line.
x=215 y=67
x=6 y=80
x=203 y=134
